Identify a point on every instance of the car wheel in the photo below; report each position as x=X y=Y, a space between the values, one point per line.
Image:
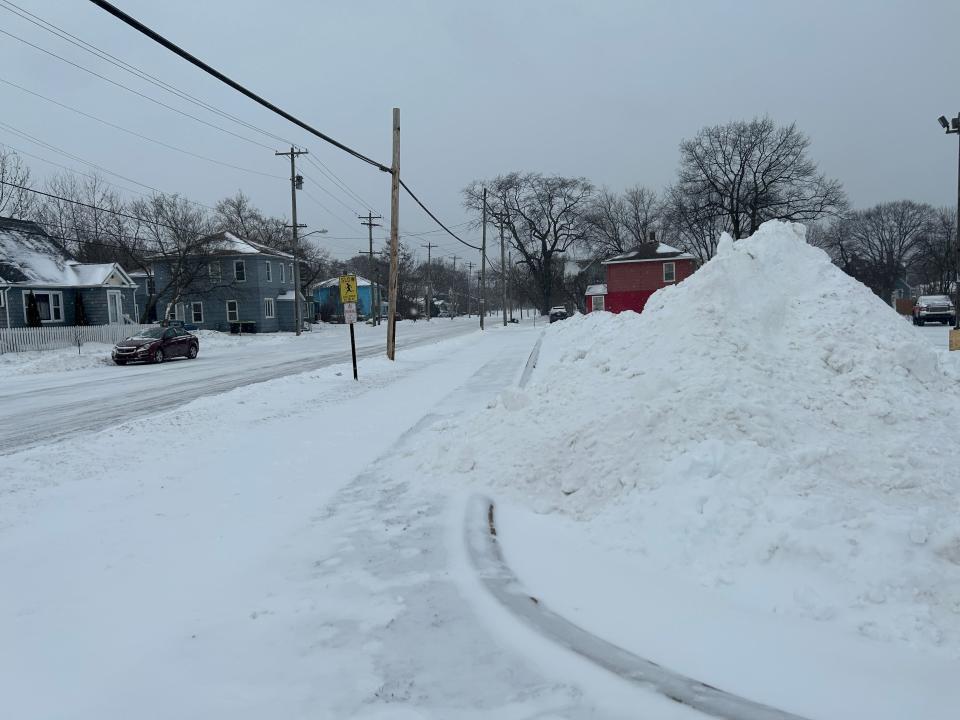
x=192 y=352
x=158 y=356
x=921 y=322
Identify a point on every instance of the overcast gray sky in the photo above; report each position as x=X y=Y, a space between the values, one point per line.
x=603 y=89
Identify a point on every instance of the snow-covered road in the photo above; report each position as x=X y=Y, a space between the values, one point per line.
x=43 y=407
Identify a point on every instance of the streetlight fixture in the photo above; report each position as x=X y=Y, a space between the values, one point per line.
x=953 y=127
x=314 y=232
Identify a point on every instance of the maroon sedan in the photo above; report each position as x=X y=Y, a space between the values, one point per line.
x=156 y=345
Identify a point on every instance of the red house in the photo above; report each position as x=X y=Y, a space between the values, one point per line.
x=635 y=275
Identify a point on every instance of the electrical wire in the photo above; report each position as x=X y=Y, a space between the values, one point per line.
x=128 y=67
x=139 y=135
x=76 y=158
x=330 y=175
x=432 y=216
x=80 y=203
x=349 y=209
x=135 y=92
x=158 y=38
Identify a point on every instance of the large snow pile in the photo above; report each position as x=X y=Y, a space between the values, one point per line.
x=768 y=426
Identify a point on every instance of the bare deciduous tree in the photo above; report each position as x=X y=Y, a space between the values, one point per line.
x=14 y=176
x=751 y=172
x=178 y=235
x=87 y=221
x=618 y=223
x=879 y=245
x=936 y=261
x=542 y=216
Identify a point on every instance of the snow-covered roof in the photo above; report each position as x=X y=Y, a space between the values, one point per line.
x=650 y=252
x=226 y=243
x=335 y=282
x=28 y=256
x=599 y=289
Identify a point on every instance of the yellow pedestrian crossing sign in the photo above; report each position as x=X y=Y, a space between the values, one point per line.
x=348 y=288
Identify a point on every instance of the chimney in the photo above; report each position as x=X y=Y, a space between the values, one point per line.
x=652 y=235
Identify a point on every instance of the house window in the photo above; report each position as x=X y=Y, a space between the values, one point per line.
x=175 y=312
x=669 y=272
x=269 y=308
x=215 y=271
x=49 y=305
x=239 y=271
x=598 y=302
x=3 y=298
x=269 y=272
x=196 y=312
x=283 y=274
x=233 y=311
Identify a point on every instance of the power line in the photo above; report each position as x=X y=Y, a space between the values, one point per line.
x=349 y=209
x=137 y=134
x=119 y=213
x=332 y=176
x=432 y=216
x=135 y=92
x=127 y=67
x=76 y=158
x=68 y=168
x=325 y=208
x=158 y=38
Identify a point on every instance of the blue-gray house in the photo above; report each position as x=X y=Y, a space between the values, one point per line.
x=33 y=268
x=234 y=283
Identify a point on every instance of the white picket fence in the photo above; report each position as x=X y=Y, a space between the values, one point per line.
x=51 y=338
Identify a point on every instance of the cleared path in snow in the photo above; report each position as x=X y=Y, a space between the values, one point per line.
x=40 y=409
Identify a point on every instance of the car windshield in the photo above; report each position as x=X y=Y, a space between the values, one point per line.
x=151 y=333
x=934 y=299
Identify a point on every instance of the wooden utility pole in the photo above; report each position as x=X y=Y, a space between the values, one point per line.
x=469 y=273
x=429 y=247
x=483 y=262
x=375 y=290
x=503 y=275
x=296 y=183
x=454 y=286
x=510 y=268
x=394 y=238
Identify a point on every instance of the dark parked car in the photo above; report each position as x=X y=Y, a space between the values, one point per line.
x=156 y=345
x=934 y=308
x=558 y=312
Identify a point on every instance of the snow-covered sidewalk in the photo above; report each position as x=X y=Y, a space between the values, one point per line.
x=245 y=557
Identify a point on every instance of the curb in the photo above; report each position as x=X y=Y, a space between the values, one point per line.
x=531 y=362
x=487 y=559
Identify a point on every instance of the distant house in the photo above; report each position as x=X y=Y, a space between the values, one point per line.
x=64 y=291
x=326 y=297
x=234 y=282
x=634 y=276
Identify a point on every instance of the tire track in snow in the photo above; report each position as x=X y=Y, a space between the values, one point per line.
x=483 y=547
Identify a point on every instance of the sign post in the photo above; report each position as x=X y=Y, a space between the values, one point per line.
x=348 y=296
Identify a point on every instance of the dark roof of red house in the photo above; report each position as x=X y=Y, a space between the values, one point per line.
x=649 y=251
